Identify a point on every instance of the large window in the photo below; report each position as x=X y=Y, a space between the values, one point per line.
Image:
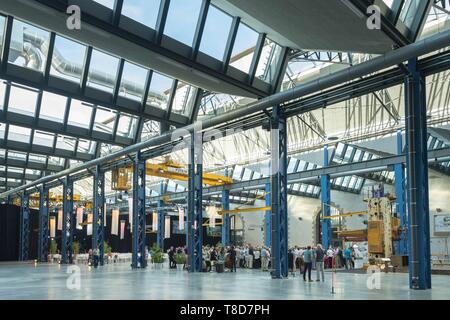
x=184 y=98
x=182 y=20
x=53 y=107
x=143 y=11
x=65 y=143
x=68 y=59
x=107 y=3
x=159 y=92
x=2 y=31
x=80 y=114
x=103 y=71
x=126 y=126
x=215 y=34
x=270 y=57
x=22 y=101
x=104 y=120
x=133 y=81
x=2 y=93
x=244 y=48
x=19 y=134
x=28 y=46
x=43 y=139
x=86 y=146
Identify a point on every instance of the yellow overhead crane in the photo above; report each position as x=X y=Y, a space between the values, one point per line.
x=52 y=197
x=244 y=210
x=121 y=177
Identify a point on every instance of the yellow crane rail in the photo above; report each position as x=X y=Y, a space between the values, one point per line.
x=349 y=214
x=244 y=210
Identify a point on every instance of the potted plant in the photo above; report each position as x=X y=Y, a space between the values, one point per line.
x=53 y=248
x=180 y=260
x=157 y=257
x=107 y=250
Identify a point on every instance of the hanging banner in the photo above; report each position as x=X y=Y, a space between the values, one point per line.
x=115 y=222
x=167 y=227
x=212 y=222
x=90 y=218
x=60 y=219
x=130 y=212
x=180 y=218
x=104 y=215
x=195 y=225
x=80 y=212
x=52 y=227
x=155 y=221
x=122 y=229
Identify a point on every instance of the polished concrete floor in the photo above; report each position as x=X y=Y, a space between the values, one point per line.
x=118 y=281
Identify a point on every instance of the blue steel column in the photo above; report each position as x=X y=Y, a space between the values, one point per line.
x=325 y=198
x=98 y=213
x=25 y=228
x=138 y=247
x=160 y=233
x=279 y=194
x=399 y=170
x=195 y=208
x=267 y=218
x=67 y=235
x=417 y=179
x=226 y=217
x=43 y=224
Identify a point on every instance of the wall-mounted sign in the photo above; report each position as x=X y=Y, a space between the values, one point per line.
x=442 y=223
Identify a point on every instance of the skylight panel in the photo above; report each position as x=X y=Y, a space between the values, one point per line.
x=22 y=101
x=182 y=19
x=80 y=114
x=68 y=59
x=159 y=92
x=142 y=11
x=133 y=81
x=53 y=107
x=102 y=71
x=244 y=47
x=19 y=134
x=215 y=33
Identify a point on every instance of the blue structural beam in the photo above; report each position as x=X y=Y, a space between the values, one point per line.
x=67 y=232
x=267 y=218
x=25 y=228
x=43 y=224
x=279 y=219
x=417 y=179
x=399 y=170
x=138 y=245
x=195 y=208
x=226 y=227
x=325 y=199
x=98 y=220
x=160 y=233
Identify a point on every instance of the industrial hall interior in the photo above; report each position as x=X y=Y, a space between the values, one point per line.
x=225 y=149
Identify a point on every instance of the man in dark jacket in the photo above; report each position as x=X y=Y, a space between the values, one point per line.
x=319 y=254
x=232 y=254
x=172 y=263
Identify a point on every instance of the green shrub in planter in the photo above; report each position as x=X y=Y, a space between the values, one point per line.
x=76 y=248
x=180 y=258
x=157 y=254
x=53 y=246
x=107 y=248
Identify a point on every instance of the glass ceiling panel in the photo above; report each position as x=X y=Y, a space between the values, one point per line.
x=102 y=71
x=184 y=98
x=151 y=128
x=142 y=11
x=15 y=170
x=28 y=46
x=107 y=3
x=244 y=48
x=36 y=158
x=86 y=146
x=33 y=172
x=56 y=161
x=182 y=20
x=2 y=93
x=108 y=148
x=2 y=31
x=159 y=92
x=53 y=107
x=104 y=120
x=68 y=59
x=17 y=155
x=65 y=143
x=43 y=139
x=267 y=65
x=2 y=130
x=19 y=134
x=133 y=81
x=215 y=33
x=80 y=114
x=22 y=101
x=126 y=126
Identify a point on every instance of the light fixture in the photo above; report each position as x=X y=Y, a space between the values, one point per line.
x=332 y=138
